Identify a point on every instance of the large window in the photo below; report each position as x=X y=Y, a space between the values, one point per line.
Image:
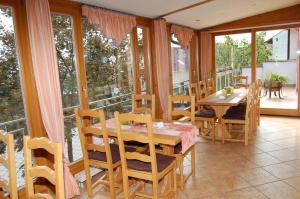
x=12 y=112
x=180 y=67
x=109 y=71
x=233 y=57
x=63 y=36
x=144 y=71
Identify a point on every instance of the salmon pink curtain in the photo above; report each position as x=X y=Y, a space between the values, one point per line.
x=183 y=34
x=112 y=24
x=47 y=79
x=205 y=55
x=162 y=63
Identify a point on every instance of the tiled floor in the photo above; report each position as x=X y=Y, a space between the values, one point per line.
x=268 y=168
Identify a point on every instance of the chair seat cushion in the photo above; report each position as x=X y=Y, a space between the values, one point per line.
x=134 y=144
x=178 y=148
x=163 y=161
x=236 y=112
x=205 y=113
x=115 y=153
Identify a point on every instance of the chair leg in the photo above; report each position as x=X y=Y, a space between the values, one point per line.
x=246 y=136
x=224 y=132
x=175 y=179
x=214 y=131
x=88 y=180
x=181 y=172
x=125 y=186
x=111 y=183
x=193 y=161
x=155 y=189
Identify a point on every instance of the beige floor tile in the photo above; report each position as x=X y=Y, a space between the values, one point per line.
x=282 y=171
x=257 y=176
x=263 y=159
x=279 y=190
x=285 y=154
x=268 y=146
x=229 y=183
x=247 y=193
x=294 y=182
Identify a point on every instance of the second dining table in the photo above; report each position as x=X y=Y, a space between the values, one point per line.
x=221 y=104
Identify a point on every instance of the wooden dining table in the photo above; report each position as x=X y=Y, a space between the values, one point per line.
x=167 y=137
x=221 y=104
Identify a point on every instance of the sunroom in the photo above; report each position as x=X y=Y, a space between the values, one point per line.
x=149 y=99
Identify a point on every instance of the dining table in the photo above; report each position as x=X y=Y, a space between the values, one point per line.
x=165 y=134
x=221 y=104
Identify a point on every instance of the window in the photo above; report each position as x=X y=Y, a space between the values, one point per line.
x=64 y=43
x=233 y=57
x=180 y=67
x=12 y=111
x=109 y=71
x=144 y=72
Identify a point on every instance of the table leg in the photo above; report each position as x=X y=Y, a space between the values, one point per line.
x=220 y=111
x=167 y=184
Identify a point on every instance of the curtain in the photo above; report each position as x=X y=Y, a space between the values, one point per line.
x=205 y=55
x=47 y=79
x=183 y=34
x=162 y=63
x=112 y=24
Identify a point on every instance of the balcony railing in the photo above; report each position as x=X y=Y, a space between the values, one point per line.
x=224 y=77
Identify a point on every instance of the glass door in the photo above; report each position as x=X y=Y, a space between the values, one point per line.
x=277 y=67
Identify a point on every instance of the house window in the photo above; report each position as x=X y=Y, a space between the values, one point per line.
x=64 y=44
x=180 y=67
x=12 y=110
x=109 y=71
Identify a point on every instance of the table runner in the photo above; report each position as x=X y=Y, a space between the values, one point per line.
x=187 y=132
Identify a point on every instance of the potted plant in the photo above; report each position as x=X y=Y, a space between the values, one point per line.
x=275 y=80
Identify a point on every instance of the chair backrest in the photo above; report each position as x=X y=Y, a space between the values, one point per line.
x=250 y=102
x=202 y=89
x=124 y=135
x=240 y=81
x=182 y=113
x=210 y=86
x=140 y=104
x=86 y=129
x=54 y=176
x=194 y=91
x=9 y=186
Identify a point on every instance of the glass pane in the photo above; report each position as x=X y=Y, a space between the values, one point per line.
x=12 y=112
x=278 y=67
x=144 y=60
x=233 y=58
x=180 y=67
x=109 y=71
x=63 y=36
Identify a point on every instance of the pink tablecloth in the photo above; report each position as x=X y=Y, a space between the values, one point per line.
x=187 y=132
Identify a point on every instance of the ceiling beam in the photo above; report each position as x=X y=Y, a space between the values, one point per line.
x=284 y=16
x=184 y=8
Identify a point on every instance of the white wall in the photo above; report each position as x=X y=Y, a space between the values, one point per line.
x=280 y=46
x=288 y=68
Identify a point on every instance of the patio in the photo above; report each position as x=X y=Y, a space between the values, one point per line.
x=289 y=101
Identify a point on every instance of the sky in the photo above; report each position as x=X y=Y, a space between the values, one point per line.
x=247 y=36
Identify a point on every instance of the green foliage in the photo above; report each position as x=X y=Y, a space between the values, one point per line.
x=238 y=54
x=275 y=77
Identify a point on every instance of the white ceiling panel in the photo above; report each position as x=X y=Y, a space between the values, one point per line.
x=145 y=8
x=205 y=15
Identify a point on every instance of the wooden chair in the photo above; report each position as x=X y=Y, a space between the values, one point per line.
x=9 y=162
x=206 y=116
x=240 y=81
x=146 y=166
x=183 y=116
x=239 y=116
x=105 y=156
x=194 y=91
x=54 y=176
x=210 y=86
x=137 y=104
